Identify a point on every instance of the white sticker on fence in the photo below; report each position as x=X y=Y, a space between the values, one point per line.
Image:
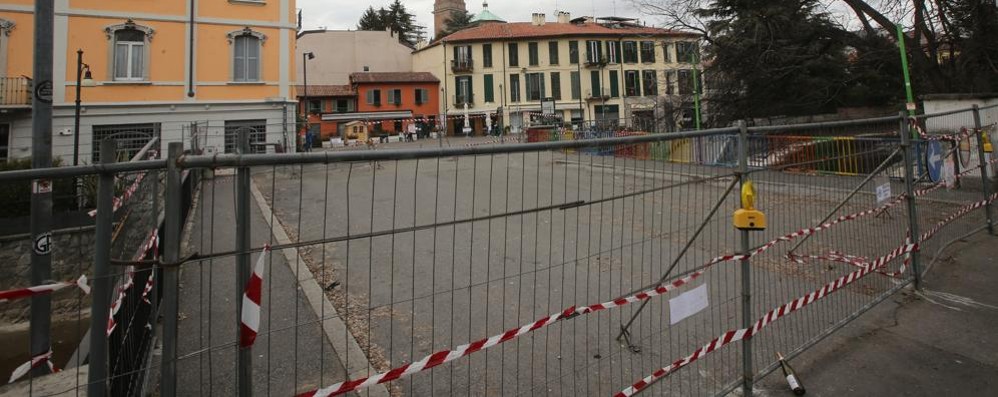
x=883 y=190
x=689 y=303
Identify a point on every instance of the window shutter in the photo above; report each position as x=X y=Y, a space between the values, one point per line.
x=489 y=89
x=614 y=84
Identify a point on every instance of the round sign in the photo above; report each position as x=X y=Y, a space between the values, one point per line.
x=43 y=244
x=934 y=160
x=43 y=91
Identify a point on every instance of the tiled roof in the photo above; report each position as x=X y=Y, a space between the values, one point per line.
x=522 y=30
x=326 y=90
x=393 y=77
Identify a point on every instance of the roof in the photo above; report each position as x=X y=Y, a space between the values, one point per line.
x=393 y=77
x=524 y=30
x=486 y=16
x=326 y=90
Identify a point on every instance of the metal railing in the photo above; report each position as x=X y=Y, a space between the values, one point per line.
x=15 y=91
x=534 y=268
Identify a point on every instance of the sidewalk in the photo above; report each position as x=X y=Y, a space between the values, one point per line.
x=940 y=341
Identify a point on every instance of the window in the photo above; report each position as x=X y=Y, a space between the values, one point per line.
x=630 y=52
x=614 y=84
x=374 y=97
x=648 y=52
x=490 y=95
x=462 y=55
x=612 y=52
x=632 y=83
x=463 y=89
x=650 y=82
x=422 y=96
x=532 y=56
x=246 y=59
x=594 y=83
x=343 y=106
x=556 y=85
x=257 y=130
x=4 y=142
x=131 y=138
x=594 y=53
x=667 y=52
x=314 y=106
x=685 y=50
x=685 y=81
x=576 y=82
x=553 y=52
x=129 y=55
x=573 y=52
x=487 y=55
x=514 y=88
x=395 y=97
x=535 y=86
x=514 y=55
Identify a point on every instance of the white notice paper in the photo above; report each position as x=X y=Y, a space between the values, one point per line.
x=883 y=191
x=689 y=303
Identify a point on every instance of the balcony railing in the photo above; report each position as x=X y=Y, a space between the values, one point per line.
x=462 y=65
x=592 y=60
x=598 y=94
x=461 y=100
x=15 y=91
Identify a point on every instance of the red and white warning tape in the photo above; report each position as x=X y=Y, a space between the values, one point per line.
x=20 y=293
x=746 y=333
x=250 y=320
x=956 y=215
x=151 y=242
x=35 y=362
x=127 y=194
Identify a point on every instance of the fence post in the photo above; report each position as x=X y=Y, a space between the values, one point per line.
x=747 y=371
x=100 y=304
x=909 y=186
x=171 y=284
x=245 y=360
x=985 y=182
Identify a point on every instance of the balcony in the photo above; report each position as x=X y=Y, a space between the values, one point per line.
x=597 y=95
x=461 y=100
x=462 y=65
x=594 y=61
x=15 y=92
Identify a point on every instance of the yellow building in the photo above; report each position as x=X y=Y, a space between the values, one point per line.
x=191 y=70
x=611 y=69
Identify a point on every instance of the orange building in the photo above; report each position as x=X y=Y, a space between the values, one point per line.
x=160 y=68
x=389 y=102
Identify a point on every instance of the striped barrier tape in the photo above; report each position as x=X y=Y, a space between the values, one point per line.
x=250 y=320
x=129 y=281
x=956 y=215
x=21 y=293
x=775 y=314
x=35 y=362
x=119 y=202
x=662 y=289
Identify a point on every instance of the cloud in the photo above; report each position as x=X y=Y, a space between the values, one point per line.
x=343 y=14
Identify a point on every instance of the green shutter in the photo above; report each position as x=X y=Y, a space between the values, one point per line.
x=614 y=84
x=489 y=90
x=594 y=83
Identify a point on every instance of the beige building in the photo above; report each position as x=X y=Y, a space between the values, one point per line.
x=338 y=53
x=612 y=70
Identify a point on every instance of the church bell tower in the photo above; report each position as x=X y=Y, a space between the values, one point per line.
x=442 y=10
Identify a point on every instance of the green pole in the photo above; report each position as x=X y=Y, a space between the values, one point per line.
x=696 y=90
x=904 y=68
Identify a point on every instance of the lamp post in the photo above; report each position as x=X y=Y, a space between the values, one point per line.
x=304 y=66
x=83 y=78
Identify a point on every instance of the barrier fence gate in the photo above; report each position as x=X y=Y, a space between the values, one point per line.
x=587 y=264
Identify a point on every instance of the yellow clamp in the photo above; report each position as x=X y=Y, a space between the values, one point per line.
x=988 y=148
x=749 y=218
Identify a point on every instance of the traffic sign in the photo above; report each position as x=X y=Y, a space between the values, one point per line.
x=934 y=160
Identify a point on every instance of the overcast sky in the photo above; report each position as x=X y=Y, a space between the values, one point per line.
x=343 y=14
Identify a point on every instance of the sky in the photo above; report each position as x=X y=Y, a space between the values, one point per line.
x=343 y=14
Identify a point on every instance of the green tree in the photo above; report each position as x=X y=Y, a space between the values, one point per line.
x=396 y=17
x=773 y=58
x=458 y=20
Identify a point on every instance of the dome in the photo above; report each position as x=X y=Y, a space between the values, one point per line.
x=486 y=16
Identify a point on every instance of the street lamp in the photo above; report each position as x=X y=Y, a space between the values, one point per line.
x=83 y=78
x=304 y=65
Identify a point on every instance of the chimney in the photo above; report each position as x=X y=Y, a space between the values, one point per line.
x=538 y=19
x=564 y=17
